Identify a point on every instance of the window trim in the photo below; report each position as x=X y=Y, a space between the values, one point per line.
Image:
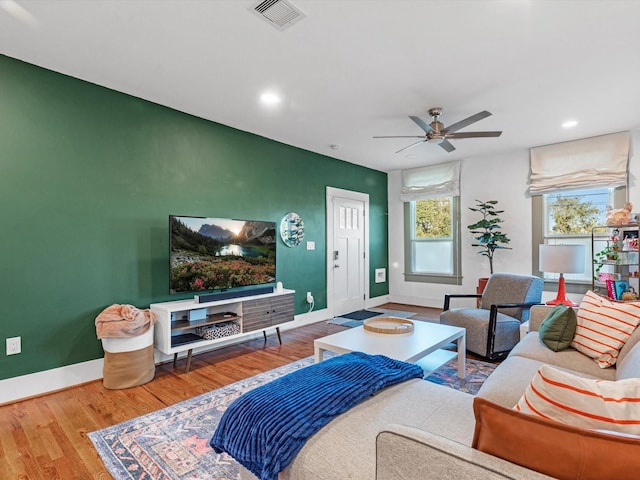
x=537 y=237
x=446 y=279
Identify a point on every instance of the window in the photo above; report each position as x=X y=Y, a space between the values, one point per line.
x=432 y=240
x=568 y=217
x=432 y=223
x=571 y=184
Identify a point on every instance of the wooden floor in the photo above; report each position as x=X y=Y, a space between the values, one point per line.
x=45 y=438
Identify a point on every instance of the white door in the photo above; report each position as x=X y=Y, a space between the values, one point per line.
x=347 y=253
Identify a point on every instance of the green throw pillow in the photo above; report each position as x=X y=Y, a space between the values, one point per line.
x=558 y=328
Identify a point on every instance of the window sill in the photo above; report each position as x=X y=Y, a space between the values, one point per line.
x=570 y=287
x=432 y=278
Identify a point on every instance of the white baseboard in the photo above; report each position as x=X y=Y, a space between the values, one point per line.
x=377 y=301
x=308 y=318
x=418 y=301
x=40 y=383
x=34 y=384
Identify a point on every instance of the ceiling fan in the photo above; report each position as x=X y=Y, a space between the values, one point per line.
x=436 y=132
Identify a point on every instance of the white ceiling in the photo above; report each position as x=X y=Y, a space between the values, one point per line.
x=354 y=69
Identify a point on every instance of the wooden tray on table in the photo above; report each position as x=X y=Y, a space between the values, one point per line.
x=388 y=325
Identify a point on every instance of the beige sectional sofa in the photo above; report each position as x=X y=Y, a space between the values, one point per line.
x=420 y=430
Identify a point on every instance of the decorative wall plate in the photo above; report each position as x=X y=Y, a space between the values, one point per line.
x=292 y=229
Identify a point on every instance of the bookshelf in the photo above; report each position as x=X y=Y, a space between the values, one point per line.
x=615 y=261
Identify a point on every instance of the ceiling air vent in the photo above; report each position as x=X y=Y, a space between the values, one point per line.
x=279 y=13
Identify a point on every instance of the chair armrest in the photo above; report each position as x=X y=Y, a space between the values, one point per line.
x=515 y=305
x=447 y=298
x=493 y=323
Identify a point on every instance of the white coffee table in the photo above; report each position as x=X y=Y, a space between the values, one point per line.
x=426 y=339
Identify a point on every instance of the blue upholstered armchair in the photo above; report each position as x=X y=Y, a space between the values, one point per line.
x=494 y=328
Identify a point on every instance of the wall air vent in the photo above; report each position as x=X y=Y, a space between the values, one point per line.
x=279 y=13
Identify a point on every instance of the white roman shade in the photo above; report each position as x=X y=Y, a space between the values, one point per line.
x=433 y=181
x=591 y=162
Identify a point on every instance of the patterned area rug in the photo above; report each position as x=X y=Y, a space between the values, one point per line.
x=477 y=373
x=173 y=443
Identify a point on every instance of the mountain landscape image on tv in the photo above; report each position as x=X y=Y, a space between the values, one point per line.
x=218 y=253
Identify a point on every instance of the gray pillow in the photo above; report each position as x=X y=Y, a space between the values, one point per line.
x=558 y=328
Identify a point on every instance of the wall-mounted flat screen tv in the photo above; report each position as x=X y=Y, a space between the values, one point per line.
x=208 y=254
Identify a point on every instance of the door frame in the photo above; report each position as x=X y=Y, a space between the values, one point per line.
x=332 y=193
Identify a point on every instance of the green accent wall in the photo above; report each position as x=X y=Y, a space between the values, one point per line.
x=88 y=179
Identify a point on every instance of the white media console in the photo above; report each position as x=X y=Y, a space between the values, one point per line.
x=177 y=322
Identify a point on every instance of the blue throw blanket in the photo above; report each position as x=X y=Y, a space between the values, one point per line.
x=265 y=428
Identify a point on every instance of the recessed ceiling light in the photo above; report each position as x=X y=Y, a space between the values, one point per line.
x=270 y=98
x=570 y=124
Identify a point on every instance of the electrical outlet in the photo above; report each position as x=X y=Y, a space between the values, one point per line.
x=13 y=345
x=309 y=297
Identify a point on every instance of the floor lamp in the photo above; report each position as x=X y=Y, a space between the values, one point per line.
x=562 y=259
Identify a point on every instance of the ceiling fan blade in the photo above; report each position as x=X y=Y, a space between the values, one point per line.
x=447 y=145
x=421 y=123
x=399 y=136
x=467 y=121
x=473 y=134
x=410 y=146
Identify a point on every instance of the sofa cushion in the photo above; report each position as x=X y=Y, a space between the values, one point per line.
x=604 y=326
x=631 y=342
x=537 y=314
x=348 y=443
x=582 y=402
x=561 y=451
x=629 y=366
x=569 y=359
x=476 y=323
x=507 y=382
x=558 y=328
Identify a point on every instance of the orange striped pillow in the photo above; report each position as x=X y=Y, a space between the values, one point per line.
x=603 y=327
x=583 y=402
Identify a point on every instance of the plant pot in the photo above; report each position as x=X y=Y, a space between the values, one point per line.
x=482 y=283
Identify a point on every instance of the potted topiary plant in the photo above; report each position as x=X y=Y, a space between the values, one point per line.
x=487 y=232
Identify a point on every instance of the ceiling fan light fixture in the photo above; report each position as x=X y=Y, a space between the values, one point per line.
x=437 y=126
x=437 y=132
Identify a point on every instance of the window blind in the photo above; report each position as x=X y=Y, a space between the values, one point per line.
x=433 y=181
x=591 y=162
